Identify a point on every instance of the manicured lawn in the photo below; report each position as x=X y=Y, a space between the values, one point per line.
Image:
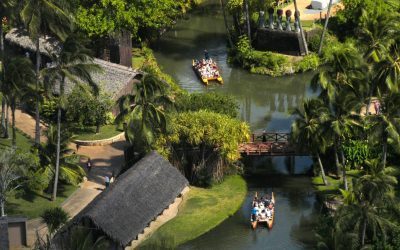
x=32 y=204
x=334 y=184
x=89 y=134
x=202 y=210
x=23 y=141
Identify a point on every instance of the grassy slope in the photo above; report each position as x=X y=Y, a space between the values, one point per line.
x=203 y=210
x=89 y=134
x=23 y=141
x=33 y=204
x=334 y=184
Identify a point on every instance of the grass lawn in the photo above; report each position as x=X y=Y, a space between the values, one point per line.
x=138 y=58
x=32 y=204
x=334 y=184
x=23 y=141
x=202 y=210
x=89 y=133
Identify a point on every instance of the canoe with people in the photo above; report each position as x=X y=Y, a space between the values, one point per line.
x=207 y=69
x=263 y=210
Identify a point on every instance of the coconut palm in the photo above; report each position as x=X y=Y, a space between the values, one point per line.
x=19 y=77
x=342 y=66
x=307 y=130
x=148 y=114
x=328 y=14
x=42 y=17
x=368 y=206
x=69 y=169
x=74 y=63
x=12 y=168
x=6 y=8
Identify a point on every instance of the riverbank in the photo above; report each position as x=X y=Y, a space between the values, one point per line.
x=202 y=210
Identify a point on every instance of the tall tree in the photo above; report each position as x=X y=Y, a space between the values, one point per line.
x=74 y=63
x=42 y=17
x=303 y=38
x=12 y=168
x=148 y=114
x=223 y=8
x=328 y=13
x=19 y=77
x=307 y=129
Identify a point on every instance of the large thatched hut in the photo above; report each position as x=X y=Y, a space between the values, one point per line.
x=115 y=79
x=133 y=201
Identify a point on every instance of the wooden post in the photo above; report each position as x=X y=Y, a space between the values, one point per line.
x=252 y=137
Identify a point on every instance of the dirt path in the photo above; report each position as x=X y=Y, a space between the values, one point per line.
x=310 y=14
x=106 y=160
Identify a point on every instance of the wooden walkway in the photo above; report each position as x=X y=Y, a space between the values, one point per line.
x=270 y=144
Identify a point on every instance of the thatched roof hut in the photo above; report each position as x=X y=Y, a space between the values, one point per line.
x=114 y=79
x=135 y=199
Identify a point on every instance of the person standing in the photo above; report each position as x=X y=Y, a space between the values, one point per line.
x=206 y=55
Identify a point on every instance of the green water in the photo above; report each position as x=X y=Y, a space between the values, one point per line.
x=265 y=103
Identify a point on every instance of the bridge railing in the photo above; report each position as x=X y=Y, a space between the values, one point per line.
x=270 y=137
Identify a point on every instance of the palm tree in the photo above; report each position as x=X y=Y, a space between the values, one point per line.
x=69 y=169
x=147 y=116
x=82 y=238
x=6 y=10
x=342 y=66
x=223 y=8
x=307 y=130
x=75 y=64
x=368 y=205
x=20 y=75
x=42 y=17
x=325 y=27
x=12 y=168
x=303 y=38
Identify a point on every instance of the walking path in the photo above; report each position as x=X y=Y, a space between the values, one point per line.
x=105 y=160
x=310 y=14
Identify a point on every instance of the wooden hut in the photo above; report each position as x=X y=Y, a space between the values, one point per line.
x=133 y=201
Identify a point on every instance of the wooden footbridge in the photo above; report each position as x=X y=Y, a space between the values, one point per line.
x=270 y=144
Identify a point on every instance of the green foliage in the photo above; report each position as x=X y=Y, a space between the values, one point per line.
x=85 y=109
x=203 y=144
x=357 y=152
x=54 y=218
x=218 y=103
x=48 y=110
x=82 y=238
x=143 y=19
x=309 y=62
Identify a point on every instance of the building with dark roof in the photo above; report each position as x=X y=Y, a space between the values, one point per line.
x=133 y=201
x=115 y=79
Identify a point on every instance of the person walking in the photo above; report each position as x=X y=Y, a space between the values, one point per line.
x=89 y=165
x=107 y=181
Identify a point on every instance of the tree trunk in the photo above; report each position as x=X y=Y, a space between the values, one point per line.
x=222 y=2
x=384 y=149
x=37 y=115
x=325 y=28
x=97 y=128
x=337 y=164
x=3 y=101
x=345 y=184
x=14 y=132
x=6 y=135
x=2 y=208
x=303 y=38
x=55 y=186
x=364 y=230
x=248 y=20
x=322 y=170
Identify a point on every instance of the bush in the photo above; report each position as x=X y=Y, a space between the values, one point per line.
x=219 y=103
x=54 y=218
x=309 y=62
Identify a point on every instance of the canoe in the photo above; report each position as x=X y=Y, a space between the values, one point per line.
x=205 y=80
x=267 y=221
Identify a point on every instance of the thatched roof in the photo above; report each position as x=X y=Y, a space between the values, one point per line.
x=21 y=38
x=112 y=79
x=135 y=199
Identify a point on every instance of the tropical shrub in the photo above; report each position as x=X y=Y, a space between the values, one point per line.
x=218 y=103
x=203 y=144
x=309 y=62
x=85 y=109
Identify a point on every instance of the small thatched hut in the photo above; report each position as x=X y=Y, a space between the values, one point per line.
x=133 y=201
x=115 y=79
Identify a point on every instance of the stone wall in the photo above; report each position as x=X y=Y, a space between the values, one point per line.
x=4 y=243
x=285 y=42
